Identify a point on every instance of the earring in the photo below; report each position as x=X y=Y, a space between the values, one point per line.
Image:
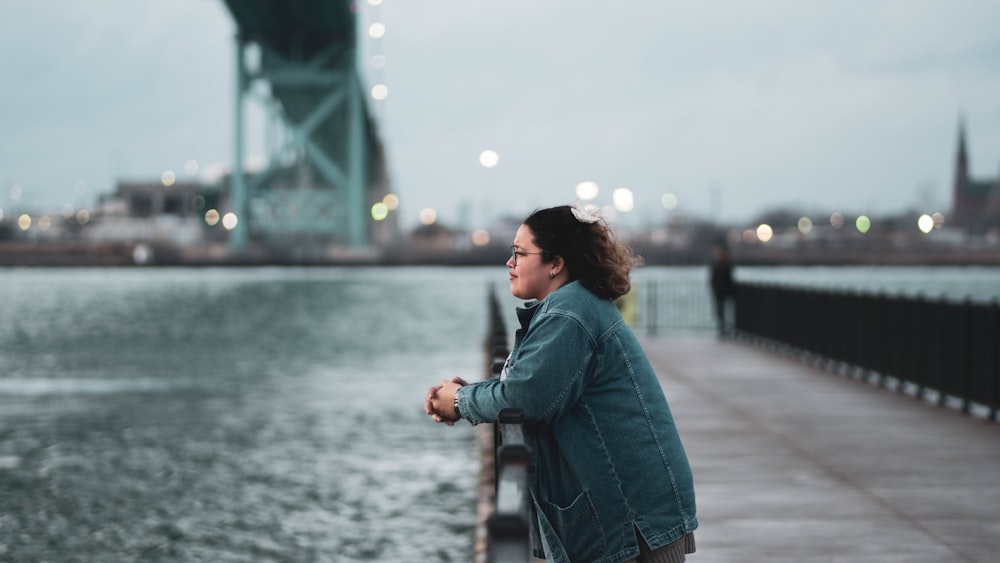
x=552 y=275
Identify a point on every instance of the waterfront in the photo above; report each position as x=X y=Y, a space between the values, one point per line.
x=235 y=415
x=268 y=414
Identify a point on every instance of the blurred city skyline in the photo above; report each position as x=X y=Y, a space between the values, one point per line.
x=732 y=108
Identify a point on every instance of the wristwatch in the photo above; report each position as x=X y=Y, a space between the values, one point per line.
x=458 y=413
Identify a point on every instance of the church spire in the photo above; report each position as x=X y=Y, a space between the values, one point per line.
x=961 y=180
x=962 y=158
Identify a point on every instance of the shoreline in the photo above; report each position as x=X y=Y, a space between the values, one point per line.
x=125 y=255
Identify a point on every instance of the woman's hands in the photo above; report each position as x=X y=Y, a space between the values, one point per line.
x=440 y=400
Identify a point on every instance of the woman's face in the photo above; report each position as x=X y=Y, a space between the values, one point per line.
x=529 y=278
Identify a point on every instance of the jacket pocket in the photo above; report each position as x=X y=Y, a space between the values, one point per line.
x=579 y=528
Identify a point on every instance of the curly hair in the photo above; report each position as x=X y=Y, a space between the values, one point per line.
x=592 y=252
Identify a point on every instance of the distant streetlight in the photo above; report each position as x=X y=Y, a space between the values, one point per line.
x=212 y=217
x=489 y=158
x=669 y=201
x=925 y=223
x=587 y=190
x=623 y=199
x=428 y=216
x=863 y=223
x=805 y=225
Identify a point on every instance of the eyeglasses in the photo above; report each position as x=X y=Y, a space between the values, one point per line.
x=514 y=253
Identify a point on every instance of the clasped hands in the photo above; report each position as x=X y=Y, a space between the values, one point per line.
x=440 y=400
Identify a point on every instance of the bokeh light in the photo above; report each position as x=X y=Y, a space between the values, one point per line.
x=669 y=201
x=379 y=92
x=765 y=233
x=83 y=216
x=863 y=224
x=489 y=158
x=428 y=216
x=212 y=217
x=44 y=222
x=925 y=223
x=391 y=201
x=229 y=221
x=376 y=30
x=837 y=220
x=191 y=167
x=587 y=190
x=168 y=178
x=24 y=222
x=380 y=211
x=938 y=220
x=377 y=62
x=623 y=199
x=805 y=225
x=480 y=237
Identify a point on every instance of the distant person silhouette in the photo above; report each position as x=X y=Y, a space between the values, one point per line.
x=723 y=287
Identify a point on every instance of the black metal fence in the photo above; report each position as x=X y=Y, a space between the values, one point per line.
x=507 y=526
x=941 y=350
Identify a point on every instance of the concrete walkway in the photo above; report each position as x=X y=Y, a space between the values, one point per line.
x=796 y=464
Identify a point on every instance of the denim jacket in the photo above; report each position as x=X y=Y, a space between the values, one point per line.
x=607 y=456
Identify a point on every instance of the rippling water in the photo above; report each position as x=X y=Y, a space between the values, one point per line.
x=236 y=415
x=267 y=414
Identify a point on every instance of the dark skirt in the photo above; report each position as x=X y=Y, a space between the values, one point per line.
x=671 y=553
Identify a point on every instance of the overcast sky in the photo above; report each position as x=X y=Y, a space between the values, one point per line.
x=736 y=107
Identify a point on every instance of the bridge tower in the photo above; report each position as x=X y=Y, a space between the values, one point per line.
x=325 y=164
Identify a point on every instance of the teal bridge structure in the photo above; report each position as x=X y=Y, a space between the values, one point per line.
x=325 y=163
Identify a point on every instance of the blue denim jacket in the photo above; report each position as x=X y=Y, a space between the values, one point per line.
x=607 y=456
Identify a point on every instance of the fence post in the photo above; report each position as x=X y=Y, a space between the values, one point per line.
x=508 y=526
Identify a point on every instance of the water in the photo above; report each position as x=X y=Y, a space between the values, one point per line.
x=236 y=415
x=269 y=414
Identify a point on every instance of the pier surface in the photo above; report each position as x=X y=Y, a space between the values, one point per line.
x=794 y=463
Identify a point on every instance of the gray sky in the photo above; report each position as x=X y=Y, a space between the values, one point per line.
x=736 y=107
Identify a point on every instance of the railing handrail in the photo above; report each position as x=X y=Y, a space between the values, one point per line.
x=943 y=347
x=508 y=524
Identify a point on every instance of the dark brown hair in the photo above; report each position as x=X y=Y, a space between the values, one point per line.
x=592 y=252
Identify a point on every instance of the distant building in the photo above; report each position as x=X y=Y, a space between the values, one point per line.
x=150 y=212
x=976 y=203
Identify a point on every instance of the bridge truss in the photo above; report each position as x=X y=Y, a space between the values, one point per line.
x=325 y=165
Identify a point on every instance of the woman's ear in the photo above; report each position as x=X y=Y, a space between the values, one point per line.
x=557 y=266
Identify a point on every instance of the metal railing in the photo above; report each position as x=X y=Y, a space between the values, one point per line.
x=508 y=524
x=671 y=306
x=939 y=349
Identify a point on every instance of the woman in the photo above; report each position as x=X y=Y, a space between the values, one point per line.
x=611 y=480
